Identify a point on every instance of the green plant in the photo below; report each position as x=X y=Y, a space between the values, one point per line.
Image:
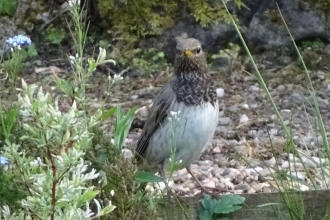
x=8 y=7
x=149 y=60
x=54 y=35
x=209 y=209
x=316 y=44
x=14 y=64
x=58 y=175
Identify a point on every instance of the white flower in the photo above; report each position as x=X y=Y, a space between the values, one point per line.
x=37 y=162
x=117 y=78
x=112 y=192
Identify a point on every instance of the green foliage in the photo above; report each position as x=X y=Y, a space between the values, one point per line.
x=123 y=124
x=54 y=35
x=210 y=209
x=8 y=7
x=8 y=121
x=9 y=192
x=231 y=52
x=147 y=177
x=14 y=64
x=316 y=44
x=56 y=172
x=133 y=19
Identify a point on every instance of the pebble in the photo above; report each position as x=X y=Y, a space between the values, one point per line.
x=254 y=88
x=271 y=162
x=243 y=119
x=245 y=106
x=220 y=92
x=286 y=113
x=224 y=121
x=134 y=97
x=143 y=111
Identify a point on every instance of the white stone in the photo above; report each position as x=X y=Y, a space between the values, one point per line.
x=220 y=92
x=243 y=119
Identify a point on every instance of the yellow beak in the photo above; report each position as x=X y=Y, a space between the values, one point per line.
x=188 y=53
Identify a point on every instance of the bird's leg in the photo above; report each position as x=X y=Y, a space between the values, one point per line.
x=204 y=188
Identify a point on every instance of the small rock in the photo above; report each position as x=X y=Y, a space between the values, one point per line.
x=286 y=113
x=255 y=105
x=320 y=75
x=143 y=111
x=251 y=190
x=229 y=185
x=134 y=97
x=216 y=150
x=285 y=165
x=229 y=171
x=253 y=133
x=220 y=92
x=207 y=163
x=245 y=106
x=266 y=172
x=254 y=170
x=209 y=183
x=242 y=186
x=223 y=121
x=233 y=108
x=243 y=119
x=254 y=88
x=280 y=88
x=271 y=162
x=299 y=175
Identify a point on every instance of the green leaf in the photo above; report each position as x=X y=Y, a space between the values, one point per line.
x=228 y=203
x=146 y=177
x=8 y=7
x=107 y=114
x=10 y=120
x=206 y=208
x=107 y=210
x=32 y=51
x=123 y=124
x=86 y=197
x=101 y=156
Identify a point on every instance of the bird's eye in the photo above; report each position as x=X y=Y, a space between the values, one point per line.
x=178 y=51
x=198 y=50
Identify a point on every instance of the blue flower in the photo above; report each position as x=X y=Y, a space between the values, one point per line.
x=3 y=160
x=19 y=40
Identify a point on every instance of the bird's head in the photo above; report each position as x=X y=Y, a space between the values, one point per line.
x=190 y=57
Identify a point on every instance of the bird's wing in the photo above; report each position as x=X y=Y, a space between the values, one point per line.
x=158 y=113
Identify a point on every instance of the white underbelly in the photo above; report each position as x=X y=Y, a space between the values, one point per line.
x=186 y=137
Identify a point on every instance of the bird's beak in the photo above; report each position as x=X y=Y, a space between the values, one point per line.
x=188 y=53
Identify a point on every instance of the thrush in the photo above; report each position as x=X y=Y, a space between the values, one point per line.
x=191 y=96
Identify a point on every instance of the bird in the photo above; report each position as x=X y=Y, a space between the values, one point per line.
x=189 y=101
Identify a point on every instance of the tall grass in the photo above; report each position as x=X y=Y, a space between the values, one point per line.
x=289 y=182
